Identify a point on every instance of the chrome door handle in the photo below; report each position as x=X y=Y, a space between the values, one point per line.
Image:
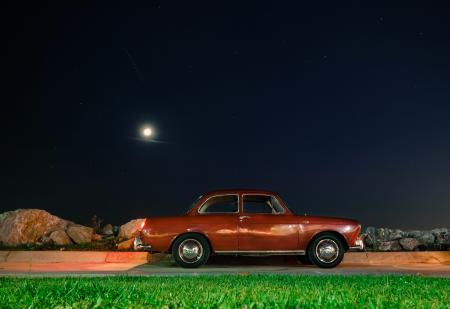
x=241 y=218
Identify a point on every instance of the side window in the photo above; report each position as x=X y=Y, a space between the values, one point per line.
x=262 y=204
x=220 y=204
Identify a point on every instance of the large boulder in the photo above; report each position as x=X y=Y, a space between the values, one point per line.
x=131 y=229
x=60 y=238
x=80 y=234
x=28 y=226
x=409 y=244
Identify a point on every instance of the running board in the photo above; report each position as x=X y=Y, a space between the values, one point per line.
x=262 y=253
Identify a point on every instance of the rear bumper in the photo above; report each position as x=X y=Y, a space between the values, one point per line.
x=359 y=245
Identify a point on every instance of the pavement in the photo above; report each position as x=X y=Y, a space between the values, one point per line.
x=142 y=264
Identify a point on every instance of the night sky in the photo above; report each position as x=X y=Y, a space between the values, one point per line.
x=343 y=108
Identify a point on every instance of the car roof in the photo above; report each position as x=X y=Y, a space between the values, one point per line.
x=240 y=191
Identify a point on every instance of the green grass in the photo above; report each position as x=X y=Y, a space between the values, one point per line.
x=241 y=291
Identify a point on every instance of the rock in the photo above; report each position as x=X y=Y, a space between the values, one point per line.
x=131 y=229
x=382 y=234
x=126 y=245
x=96 y=237
x=107 y=230
x=45 y=240
x=80 y=234
x=440 y=231
x=396 y=234
x=427 y=238
x=28 y=226
x=60 y=238
x=370 y=238
x=409 y=244
x=393 y=245
x=441 y=236
x=413 y=234
x=116 y=230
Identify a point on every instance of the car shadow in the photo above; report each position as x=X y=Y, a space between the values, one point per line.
x=223 y=261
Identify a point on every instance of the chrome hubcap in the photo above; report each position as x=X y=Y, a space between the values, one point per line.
x=190 y=250
x=327 y=251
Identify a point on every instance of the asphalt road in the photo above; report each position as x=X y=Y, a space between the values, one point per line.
x=217 y=266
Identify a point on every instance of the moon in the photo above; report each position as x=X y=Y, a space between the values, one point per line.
x=147 y=132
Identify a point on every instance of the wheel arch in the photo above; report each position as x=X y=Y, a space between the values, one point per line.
x=335 y=233
x=190 y=233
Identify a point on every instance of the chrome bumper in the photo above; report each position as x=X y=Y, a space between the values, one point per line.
x=359 y=245
x=139 y=246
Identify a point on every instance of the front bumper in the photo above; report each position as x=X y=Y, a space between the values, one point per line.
x=359 y=245
x=139 y=246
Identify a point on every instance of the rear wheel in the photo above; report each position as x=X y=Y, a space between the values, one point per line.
x=191 y=250
x=326 y=250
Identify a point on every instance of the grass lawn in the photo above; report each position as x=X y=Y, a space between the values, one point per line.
x=249 y=291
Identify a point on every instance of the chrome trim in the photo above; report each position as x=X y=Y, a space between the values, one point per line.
x=190 y=250
x=359 y=245
x=266 y=252
x=139 y=246
x=215 y=213
x=327 y=250
x=263 y=194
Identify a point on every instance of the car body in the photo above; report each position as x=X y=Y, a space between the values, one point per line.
x=247 y=222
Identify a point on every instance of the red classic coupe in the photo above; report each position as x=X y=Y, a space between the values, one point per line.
x=248 y=222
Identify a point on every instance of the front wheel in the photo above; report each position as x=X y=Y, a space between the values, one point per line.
x=191 y=250
x=326 y=251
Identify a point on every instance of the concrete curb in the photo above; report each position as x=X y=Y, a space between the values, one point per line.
x=73 y=257
x=352 y=258
x=395 y=258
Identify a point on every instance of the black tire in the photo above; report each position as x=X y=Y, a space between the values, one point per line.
x=196 y=250
x=304 y=259
x=332 y=253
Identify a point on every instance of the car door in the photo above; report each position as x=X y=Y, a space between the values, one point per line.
x=264 y=226
x=217 y=218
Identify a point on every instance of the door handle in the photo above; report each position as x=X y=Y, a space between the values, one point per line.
x=241 y=218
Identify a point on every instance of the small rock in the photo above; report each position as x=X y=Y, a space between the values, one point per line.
x=116 y=230
x=393 y=245
x=409 y=244
x=131 y=229
x=60 y=238
x=96 y=237
x=107 y=230
x=126 y=245
x=45 y=240
x=80 y=234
